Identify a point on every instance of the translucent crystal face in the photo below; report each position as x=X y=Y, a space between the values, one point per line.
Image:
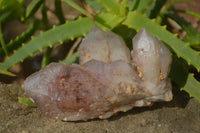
x=110 y=78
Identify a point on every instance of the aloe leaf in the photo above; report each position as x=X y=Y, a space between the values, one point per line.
x=154 y=8
x=114 y=6
x=184 y=24
x=192 y=86
x=76 y=6
x=25 y=36
x=10 y=9
x=26 y=101
x=172 y=3
x=181 y=76
x=58 y=11
x=108 y=20
x=46 y=57
x=95 y=5
x=133 y=5
x=194 y=14
x=59 y=34
x=33 y=7
x=21 y=2
x=143 y=5
x=137 y=21
x=71 y=59
x=4 y=72
x=193 y=40
x=179 y=71
x=3 y=42
x=193 y=37
x=56 y=35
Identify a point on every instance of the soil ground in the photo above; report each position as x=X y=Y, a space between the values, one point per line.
x=181 y=115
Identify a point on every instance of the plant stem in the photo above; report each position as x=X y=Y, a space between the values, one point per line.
x=3 y=42
x=58 y=11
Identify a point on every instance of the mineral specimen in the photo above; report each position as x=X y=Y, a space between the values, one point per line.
x=110 y=78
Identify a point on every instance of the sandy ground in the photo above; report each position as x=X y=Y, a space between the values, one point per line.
x=181 y=115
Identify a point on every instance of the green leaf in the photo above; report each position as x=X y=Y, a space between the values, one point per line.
x=184 y=24
x=180 y=75
x=10 y=9
x=137 y=21
x=95 y=5
x=76 y=6
x=143 y=5
x=133 y=5
x=179 y=71
x=3 y=45
x=58 y=11
x=173 y=2
x=193 y=37
x=59 y=34
x=4 y=72
x=53 y=36
x=197 y=15
x=108 y=20
x=192 y=86
x=26 y=101
x=19 y=40
x=33 y=7
x=71 y=59
x=114 y=6
x=154 y=8
x=193 y=40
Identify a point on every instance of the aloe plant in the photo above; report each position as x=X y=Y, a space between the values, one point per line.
x=123 y=17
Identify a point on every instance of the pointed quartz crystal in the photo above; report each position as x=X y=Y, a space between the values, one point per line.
x=152 y=59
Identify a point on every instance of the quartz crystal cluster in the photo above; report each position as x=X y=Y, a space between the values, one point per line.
x=109 y=78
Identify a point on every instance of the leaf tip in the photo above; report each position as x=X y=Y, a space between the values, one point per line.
x=11 y=41
x=31 y=54
x=41 y=31
x=18 y=36
x=54 y=26
x=21 y=60
x=41 y=50
x=165 y=26
x=154 y=20
x=32 y=37
x=66 y=21
x=72 y=38
x=79 y=17
x=176 y=35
